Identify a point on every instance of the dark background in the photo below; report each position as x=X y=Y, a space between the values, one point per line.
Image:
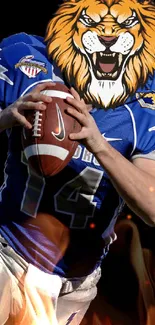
x=30 y=17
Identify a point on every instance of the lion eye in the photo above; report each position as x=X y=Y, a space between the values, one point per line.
x=87 y=21
x=130 y=22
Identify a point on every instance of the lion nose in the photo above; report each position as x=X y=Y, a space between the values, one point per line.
x=108 y=41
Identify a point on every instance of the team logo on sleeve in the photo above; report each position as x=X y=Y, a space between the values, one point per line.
x=146 y=100
x=30 y=67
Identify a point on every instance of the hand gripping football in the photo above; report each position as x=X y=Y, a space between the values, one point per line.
x=47 y=146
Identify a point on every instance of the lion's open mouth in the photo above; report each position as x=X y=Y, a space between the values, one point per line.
x=107 y=65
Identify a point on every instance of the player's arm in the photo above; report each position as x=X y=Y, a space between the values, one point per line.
x=14 y=82
x=135 y=182
x=13 y=115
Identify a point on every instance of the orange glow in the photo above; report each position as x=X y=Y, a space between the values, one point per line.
x=129 y=217
x=97 y=321
x=147 y=282
x=57 y=129
x=52 y=231
x=151 y=189
x=37 y=308
x=92 y=225
x=39 y=290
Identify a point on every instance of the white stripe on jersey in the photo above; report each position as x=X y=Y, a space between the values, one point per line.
x=134 y=128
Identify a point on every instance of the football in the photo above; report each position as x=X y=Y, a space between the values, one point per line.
x=47 y=146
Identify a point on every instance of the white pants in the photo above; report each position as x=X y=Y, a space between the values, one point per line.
x=29 y=296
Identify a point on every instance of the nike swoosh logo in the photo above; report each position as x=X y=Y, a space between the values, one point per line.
x=111 y=139
x=151 y=129
x=60 y=135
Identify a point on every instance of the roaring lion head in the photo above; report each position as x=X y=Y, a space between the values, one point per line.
x=105 y=48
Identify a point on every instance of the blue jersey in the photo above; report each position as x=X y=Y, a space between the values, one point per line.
x=61 y=224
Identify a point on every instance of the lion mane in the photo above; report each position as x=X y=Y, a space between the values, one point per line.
x=71 y=49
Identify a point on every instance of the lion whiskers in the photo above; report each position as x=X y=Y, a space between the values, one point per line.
x=106 y=91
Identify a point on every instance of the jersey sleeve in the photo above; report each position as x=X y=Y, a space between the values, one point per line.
x=150 y=155
x=23 y=64
x=145 y=132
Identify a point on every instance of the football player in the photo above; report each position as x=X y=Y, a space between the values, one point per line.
x=55 y=232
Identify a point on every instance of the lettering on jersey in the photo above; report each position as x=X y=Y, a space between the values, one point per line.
x=85 y=155
x=3 y=75
x=146 y=100
x=30 y=67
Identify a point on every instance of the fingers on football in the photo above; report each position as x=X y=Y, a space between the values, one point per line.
x=37 y=93
x=77 y=136
x=74 y=93
x=23 y=121
x=78 y=105
x=44 y=86
x=37 y=97
x=29 y=105
x=77 y=115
